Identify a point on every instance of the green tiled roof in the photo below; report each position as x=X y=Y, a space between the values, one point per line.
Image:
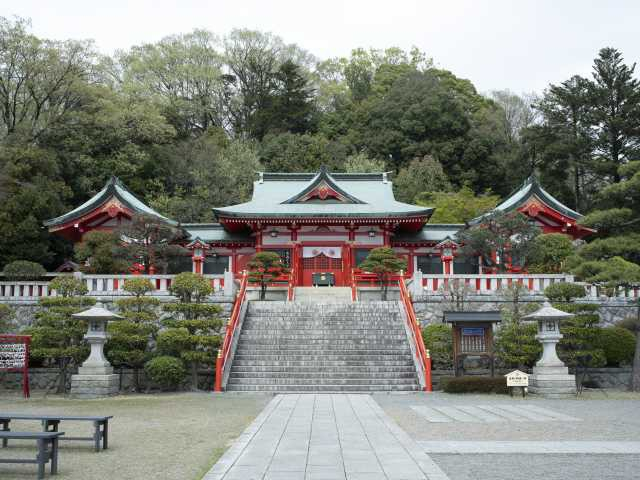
x=213 y=232
x=531 y=188
x=431 y=232
x=369 y=194
x=113 y=188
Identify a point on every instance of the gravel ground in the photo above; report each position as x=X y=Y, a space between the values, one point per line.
x=612 y=417
x=549 y=467
x=172 y=436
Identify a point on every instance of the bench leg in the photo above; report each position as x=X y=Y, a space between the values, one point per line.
x=105 y=435
x=96 y=435
x=54 y=456
x=5 y=428
x=42 y=457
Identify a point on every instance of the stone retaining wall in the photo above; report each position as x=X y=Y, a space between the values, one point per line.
x=24 y=314
x=429 y=309
x=44 y=379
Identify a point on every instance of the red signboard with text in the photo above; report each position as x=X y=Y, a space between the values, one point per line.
x=14 y=357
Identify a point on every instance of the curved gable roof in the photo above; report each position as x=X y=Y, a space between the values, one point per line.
x=113 y=188
x=282 y=194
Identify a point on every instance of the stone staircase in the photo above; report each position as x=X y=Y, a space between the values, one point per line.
x=323 y=347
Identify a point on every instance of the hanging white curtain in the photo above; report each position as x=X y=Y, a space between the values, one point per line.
x=331 y=252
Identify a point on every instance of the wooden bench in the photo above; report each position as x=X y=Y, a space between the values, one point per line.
x=50 y=423
x=47 y=449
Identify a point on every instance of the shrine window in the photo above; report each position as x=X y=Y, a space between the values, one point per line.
x=216 y=265
x=430 y=264
x=179 y=264
x=466 y=265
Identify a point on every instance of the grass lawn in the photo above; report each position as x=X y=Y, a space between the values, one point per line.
x=163 y=436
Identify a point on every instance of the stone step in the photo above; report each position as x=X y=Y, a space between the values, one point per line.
x=320 y=342
x=404 y=362
x=323 y=388
x=304 y=376
x=320 y=335
x=328 y=369
x=318 y=381
x=243 y=350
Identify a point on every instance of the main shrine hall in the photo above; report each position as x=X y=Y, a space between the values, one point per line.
x=316 y=222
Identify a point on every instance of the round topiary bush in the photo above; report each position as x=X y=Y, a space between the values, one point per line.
x=168 y=372
x=618 y=345
x=23 y=270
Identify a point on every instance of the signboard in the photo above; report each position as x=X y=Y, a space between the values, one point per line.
x=517 y=379
x=475 y=331
x=14 y=357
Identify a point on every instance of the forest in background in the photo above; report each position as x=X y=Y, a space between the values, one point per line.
x=187 y=121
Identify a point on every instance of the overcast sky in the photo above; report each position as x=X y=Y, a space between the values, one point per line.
x=522 y=45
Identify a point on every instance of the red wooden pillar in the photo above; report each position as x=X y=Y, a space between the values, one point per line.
x=259 y=231
x=234 y=260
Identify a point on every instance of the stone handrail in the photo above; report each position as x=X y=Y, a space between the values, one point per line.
x=106 y=285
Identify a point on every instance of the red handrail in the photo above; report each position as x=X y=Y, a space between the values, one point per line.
x=224 y=351
x=414 y=326
x=291 y=287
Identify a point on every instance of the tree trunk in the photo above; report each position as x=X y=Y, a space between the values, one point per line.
x=635 y=371
x=136 y=378
x=194 y=375
x=62 y=377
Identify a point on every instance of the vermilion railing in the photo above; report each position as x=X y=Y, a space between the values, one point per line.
x=414 y=326
x=291 y=287
x=225 y=350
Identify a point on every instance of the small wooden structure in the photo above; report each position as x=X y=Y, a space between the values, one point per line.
x=472 y=335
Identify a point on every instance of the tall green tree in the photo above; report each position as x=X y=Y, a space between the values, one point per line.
x=616 y=112
x=457 y=207
x=57 y=337
x=421 y=175
x=510 y=236
x=148 y=241
x=130 y=339
x=193 y=326
x=183 y=74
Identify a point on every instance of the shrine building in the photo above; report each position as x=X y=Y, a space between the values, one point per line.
x=317 y=222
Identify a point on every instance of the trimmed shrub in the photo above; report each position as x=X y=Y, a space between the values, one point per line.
x=564 y=291
x=438 y=339
x=618 y=345
x=67 y=286
x=168 y=372
x=23 y=270
x=474 y=384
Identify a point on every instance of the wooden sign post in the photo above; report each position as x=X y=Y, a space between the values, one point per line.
x=517 y=380
x=14 y=357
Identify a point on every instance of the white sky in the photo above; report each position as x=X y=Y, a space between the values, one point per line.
x=522 y=45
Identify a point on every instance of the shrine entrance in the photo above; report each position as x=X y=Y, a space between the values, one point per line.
x=322 y=266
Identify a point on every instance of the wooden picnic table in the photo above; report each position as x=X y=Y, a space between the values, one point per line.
x=47 y=449
x=50 y=423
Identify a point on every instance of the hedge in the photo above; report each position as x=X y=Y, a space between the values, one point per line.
x=474 y=384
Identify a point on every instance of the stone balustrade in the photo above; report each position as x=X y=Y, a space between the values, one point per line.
x=104 y=285
x=490 y=284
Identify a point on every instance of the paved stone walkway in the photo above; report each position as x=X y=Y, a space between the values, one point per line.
x=531 y=447
x=490 y=413
x=324 y=437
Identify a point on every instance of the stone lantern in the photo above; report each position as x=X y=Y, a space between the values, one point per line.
x=550 y=375
x=95 y=378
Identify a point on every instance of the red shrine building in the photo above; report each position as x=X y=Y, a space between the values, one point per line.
x=317 y=222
